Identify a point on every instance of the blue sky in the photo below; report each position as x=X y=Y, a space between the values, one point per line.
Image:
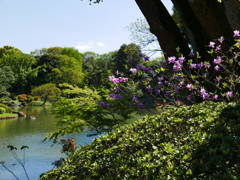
x=35 y=24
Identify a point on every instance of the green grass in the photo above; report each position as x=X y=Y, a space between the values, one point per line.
x=8 y=115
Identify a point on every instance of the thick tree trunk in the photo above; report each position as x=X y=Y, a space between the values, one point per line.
x=163 y=27
x=232 y=9
x=211 y=16
x=198 y=38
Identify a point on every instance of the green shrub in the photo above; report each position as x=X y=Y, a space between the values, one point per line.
x=2 y=110
x=192 y=142
x=8 y=109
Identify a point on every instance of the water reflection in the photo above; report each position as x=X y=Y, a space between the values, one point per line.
x=24 y=131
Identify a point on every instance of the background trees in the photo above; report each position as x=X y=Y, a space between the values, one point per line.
x=6 y=79
x=21 y=65
x=58 y=65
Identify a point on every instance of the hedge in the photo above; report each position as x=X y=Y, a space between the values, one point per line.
x=192 y=142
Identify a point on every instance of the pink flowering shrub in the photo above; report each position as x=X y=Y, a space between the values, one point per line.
x=217 y=79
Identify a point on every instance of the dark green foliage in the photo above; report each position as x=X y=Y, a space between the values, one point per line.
x=6 y=79
x=122 y=58
x=191 y=142
x=8 y=109
x=2 y=110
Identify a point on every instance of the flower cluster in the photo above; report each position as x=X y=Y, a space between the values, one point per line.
x=188 y=80
x=115 y=80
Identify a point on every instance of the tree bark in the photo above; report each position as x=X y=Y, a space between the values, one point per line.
x=232 y=9
x=212 y=17
x=163 y=27
x=198 y=38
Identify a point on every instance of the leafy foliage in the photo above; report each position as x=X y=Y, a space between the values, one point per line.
x=58 y=65
x=21 y=65
x=47 y=91
x=7 y=109
x=6 y=79
x=192 y=142
x=79 y=108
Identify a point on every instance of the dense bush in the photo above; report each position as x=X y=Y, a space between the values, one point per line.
x=8 y=109
x=192 y=142
x=2 y=110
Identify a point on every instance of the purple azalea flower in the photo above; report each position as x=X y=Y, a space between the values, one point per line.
x=117 y=89
x=134 y=98
x=191 y=54
x=150 y=89
x=140 y=105
x=205 y=95
x=229 y=94
x=211 y=44
x=140 y=54
x=202 y=91
x=113 y=79
x=181 y=59
x=146 y=58
x=172 y=59
x=104 y=104
x=112 y=96
x=236 y=33
x=157 y=91
x=221 y=39
x=217 y=79
x=190 y=96
x=215 y=97
x=123 y=79
x=164 y=63
x=207 y=65
x=168 y=93
x=160 y=78
x=177 y=66
x=218 y=48
x=217 y=68
x=189 y=86
x=218 y=60
x=193 y=66
x=181 y=83
x=176 y=89
x=200 y=65
x=178 y=77
x=118 y=96
x=160 y=83
x=139 y=66
x=117 y=73
x=130 y=59
x=133 y=70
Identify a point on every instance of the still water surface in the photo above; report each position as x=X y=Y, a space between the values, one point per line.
x=23 y=131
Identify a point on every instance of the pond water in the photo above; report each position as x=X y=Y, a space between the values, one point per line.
x=23 y=131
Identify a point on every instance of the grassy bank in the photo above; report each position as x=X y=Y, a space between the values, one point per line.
x=8 y=116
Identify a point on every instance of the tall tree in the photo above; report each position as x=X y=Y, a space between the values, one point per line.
x=7 y=50
x=6 y=79
x=96 y=69
x=126 y=53
x=58 y=65
x=21 y=65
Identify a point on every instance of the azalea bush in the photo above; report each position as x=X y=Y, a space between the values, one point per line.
x=182 y=79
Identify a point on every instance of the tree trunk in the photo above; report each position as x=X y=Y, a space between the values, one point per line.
x=198 y=38
x=232 y=9
x=211 y=16
x=163 y=27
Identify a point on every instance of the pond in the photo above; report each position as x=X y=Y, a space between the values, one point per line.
x=23 y=131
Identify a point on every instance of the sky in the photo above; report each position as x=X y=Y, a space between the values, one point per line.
x=34 y=24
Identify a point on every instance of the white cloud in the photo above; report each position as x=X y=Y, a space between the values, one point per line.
x=84 y=47
x=89 y=45
x=100 y=44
